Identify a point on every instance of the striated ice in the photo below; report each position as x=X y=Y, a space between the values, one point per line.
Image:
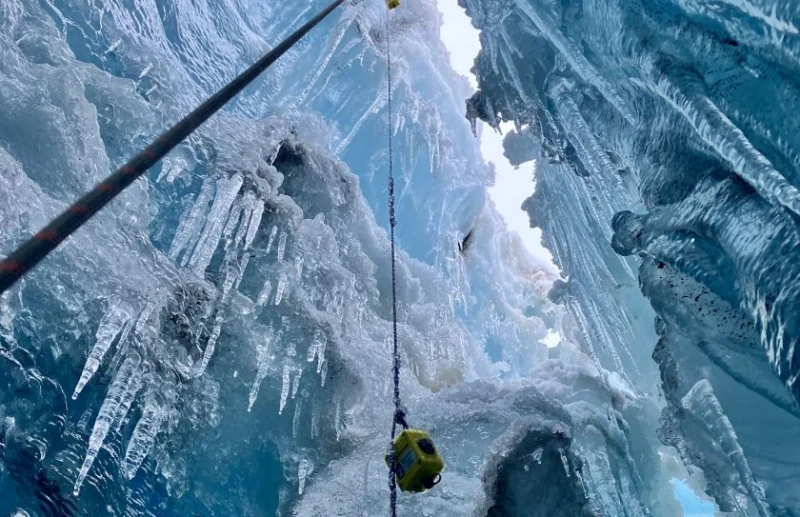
x=662 y=169
x=704 y=405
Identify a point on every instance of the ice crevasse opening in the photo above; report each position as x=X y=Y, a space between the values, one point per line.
x=218 y=340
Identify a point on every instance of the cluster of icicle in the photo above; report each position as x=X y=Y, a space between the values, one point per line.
x=224 y=214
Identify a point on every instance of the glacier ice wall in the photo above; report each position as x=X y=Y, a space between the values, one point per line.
x=661 y=131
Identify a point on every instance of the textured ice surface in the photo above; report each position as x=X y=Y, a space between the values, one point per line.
x=662 y=130
x=224 y=326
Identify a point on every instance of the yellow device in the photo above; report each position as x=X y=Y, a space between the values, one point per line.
x=418 y=465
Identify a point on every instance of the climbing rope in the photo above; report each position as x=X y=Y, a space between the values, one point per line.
x=27 y=256
x=399 y=415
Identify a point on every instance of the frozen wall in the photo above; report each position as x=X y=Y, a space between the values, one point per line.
x=662 y=131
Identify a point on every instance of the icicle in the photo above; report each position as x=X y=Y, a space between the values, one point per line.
x=114 y=46
x=298 y=265
x=296 y=418
x=211 y=344
x=263 y=366
x=105 y=418
x=314 y=422
x=296 y=383
x=191 y=224
x=281 y=246
x=143 y=318
x=337 y=418
x=583 y=485
x=146 y=70
x=227 y=189
x=255 y=223
x=171 y=168
x=312 y=352
x=144 y=434
x=302 y=471
x=321 y=360
x=287 y=372
x=263 y=297
x=280 y=289
x=242 y=269
x=113 y=324
x=126 y=402
x=234 y=218
x=271 y=240
x=323 y=372
x=564 y=461
x=248 y=204
x=137 y=328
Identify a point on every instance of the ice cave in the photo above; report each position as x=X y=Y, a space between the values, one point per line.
x=219 y=339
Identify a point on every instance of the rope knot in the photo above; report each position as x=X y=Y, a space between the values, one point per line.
x=400 y=417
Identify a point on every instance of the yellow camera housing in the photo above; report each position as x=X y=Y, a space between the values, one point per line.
x=418 y=464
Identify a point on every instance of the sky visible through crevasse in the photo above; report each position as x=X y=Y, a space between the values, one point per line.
x=514 y=185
